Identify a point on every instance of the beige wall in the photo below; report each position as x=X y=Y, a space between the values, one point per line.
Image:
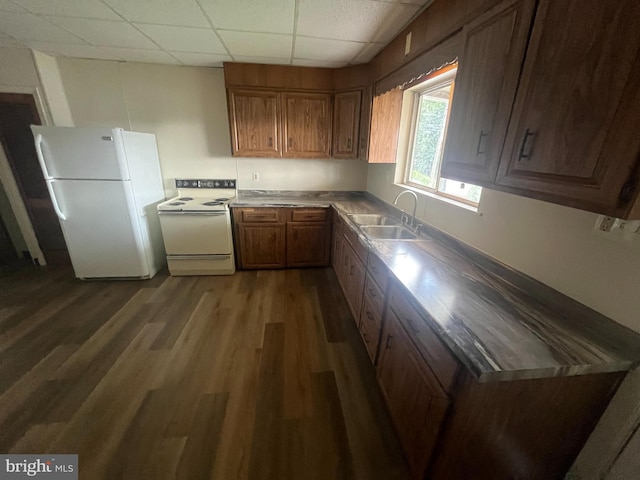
x=186 y=108
x=556 y=245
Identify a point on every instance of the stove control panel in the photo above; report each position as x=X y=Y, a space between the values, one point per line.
x=205 y=183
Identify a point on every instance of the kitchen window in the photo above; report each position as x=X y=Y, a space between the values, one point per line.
x=430 y=103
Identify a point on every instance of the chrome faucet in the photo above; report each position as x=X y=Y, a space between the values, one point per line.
x=415 y=205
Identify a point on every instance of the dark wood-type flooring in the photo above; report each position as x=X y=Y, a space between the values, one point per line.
x=261 y=375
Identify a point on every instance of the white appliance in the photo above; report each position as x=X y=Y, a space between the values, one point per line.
x=196 y=227
x=105 y=185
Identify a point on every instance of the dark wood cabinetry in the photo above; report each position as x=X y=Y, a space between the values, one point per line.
x=554 y=123
x=308 y=238
x=346 y=124
x=415 y=400
x=572 y=138
x=385 y=126
x=485 y=87
x=255 y=120
x=281 y=237
x=306 y=125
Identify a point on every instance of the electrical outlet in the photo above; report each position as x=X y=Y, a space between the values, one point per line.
x=605 y=223
x=255 y=176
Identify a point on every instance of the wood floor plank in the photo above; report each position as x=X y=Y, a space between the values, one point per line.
x=259 y=375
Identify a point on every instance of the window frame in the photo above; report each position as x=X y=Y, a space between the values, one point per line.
x=432 y=82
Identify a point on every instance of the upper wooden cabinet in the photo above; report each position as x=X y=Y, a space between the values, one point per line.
x=306 y=125
x=255 y=123
x=573 y=135
x=569 y=107
x=346 y=124
x=485 y=87
x=385 y=126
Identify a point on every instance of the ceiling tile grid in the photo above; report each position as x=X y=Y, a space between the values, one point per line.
x=327 y=33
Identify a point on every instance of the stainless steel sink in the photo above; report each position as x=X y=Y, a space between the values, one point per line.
x=372 y=219
x=388 y=232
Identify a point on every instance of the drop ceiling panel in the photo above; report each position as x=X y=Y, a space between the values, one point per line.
x=201 y=59
x=185 y=13
x=184 y=39
x=399 y=16
x=356 y=20
x=323 y=49
x=273 y=16
x=257 y=44
x=71 y=8
x=368 y=52
x=104 y=33
x=73 y=51
x=7 y=6
x=144 y=56
x=25 y=26
x=265 y=60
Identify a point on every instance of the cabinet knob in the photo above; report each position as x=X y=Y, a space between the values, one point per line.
x=271 y=141
x=523 y=148
x=366 y=338
x=372 y=292
x=348 y=143
x=351 y=270
x=368 y=314
x=388 y=345
x=289 y=142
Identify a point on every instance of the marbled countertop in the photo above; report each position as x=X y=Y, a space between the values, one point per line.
x=500 y=323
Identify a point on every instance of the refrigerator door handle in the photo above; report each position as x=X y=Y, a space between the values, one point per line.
x=54 y=200
x=43 y=165
x=48 y=179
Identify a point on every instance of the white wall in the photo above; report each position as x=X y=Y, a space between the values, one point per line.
x=186 y=108
x=557 y=246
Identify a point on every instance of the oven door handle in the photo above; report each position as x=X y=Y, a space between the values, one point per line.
x=181 y=212
x=199 y=257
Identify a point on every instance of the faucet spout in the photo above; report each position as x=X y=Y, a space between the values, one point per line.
x=415 y=203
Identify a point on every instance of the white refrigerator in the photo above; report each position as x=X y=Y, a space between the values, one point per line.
x=105 y=185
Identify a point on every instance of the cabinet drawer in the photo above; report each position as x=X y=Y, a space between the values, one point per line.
x=437 y=355
x=308 y=215
x=360 y=250
x=261 y=215
x=378 y=270
x=375 y=294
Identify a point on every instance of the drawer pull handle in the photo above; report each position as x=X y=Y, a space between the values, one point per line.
x=289 y=142
x=271 y=141
x=388 y=345
x=351 y=270
x=522 y=155
x=366 y=338
x=482 y=135
x=349 y=143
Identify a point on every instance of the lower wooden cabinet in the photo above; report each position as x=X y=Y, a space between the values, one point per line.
x=415 y=400
x=281 y=237
x=261 y=245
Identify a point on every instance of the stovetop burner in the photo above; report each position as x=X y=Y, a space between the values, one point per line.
x=175 y=204
x=212 y=203
x=185 y=199
x=222 y=199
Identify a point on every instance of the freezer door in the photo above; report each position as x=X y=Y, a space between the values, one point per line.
x=101 y=228
x=81 y=153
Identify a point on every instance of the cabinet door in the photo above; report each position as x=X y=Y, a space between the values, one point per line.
x=262 y=245
x=254 y=120
x=355 y=289
x=346 y=124
x=415 y=402
x=307 y=244
x=385 y=127
x=573 y=135
x=336 y=247
x=485 y=88
x=307 y=125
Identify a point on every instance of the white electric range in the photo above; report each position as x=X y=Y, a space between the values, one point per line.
x=196 y=227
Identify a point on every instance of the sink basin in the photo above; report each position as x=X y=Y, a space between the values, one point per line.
x=388 y=232
x=372 y=219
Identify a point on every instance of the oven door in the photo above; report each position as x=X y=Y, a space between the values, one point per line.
x=196 y=233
